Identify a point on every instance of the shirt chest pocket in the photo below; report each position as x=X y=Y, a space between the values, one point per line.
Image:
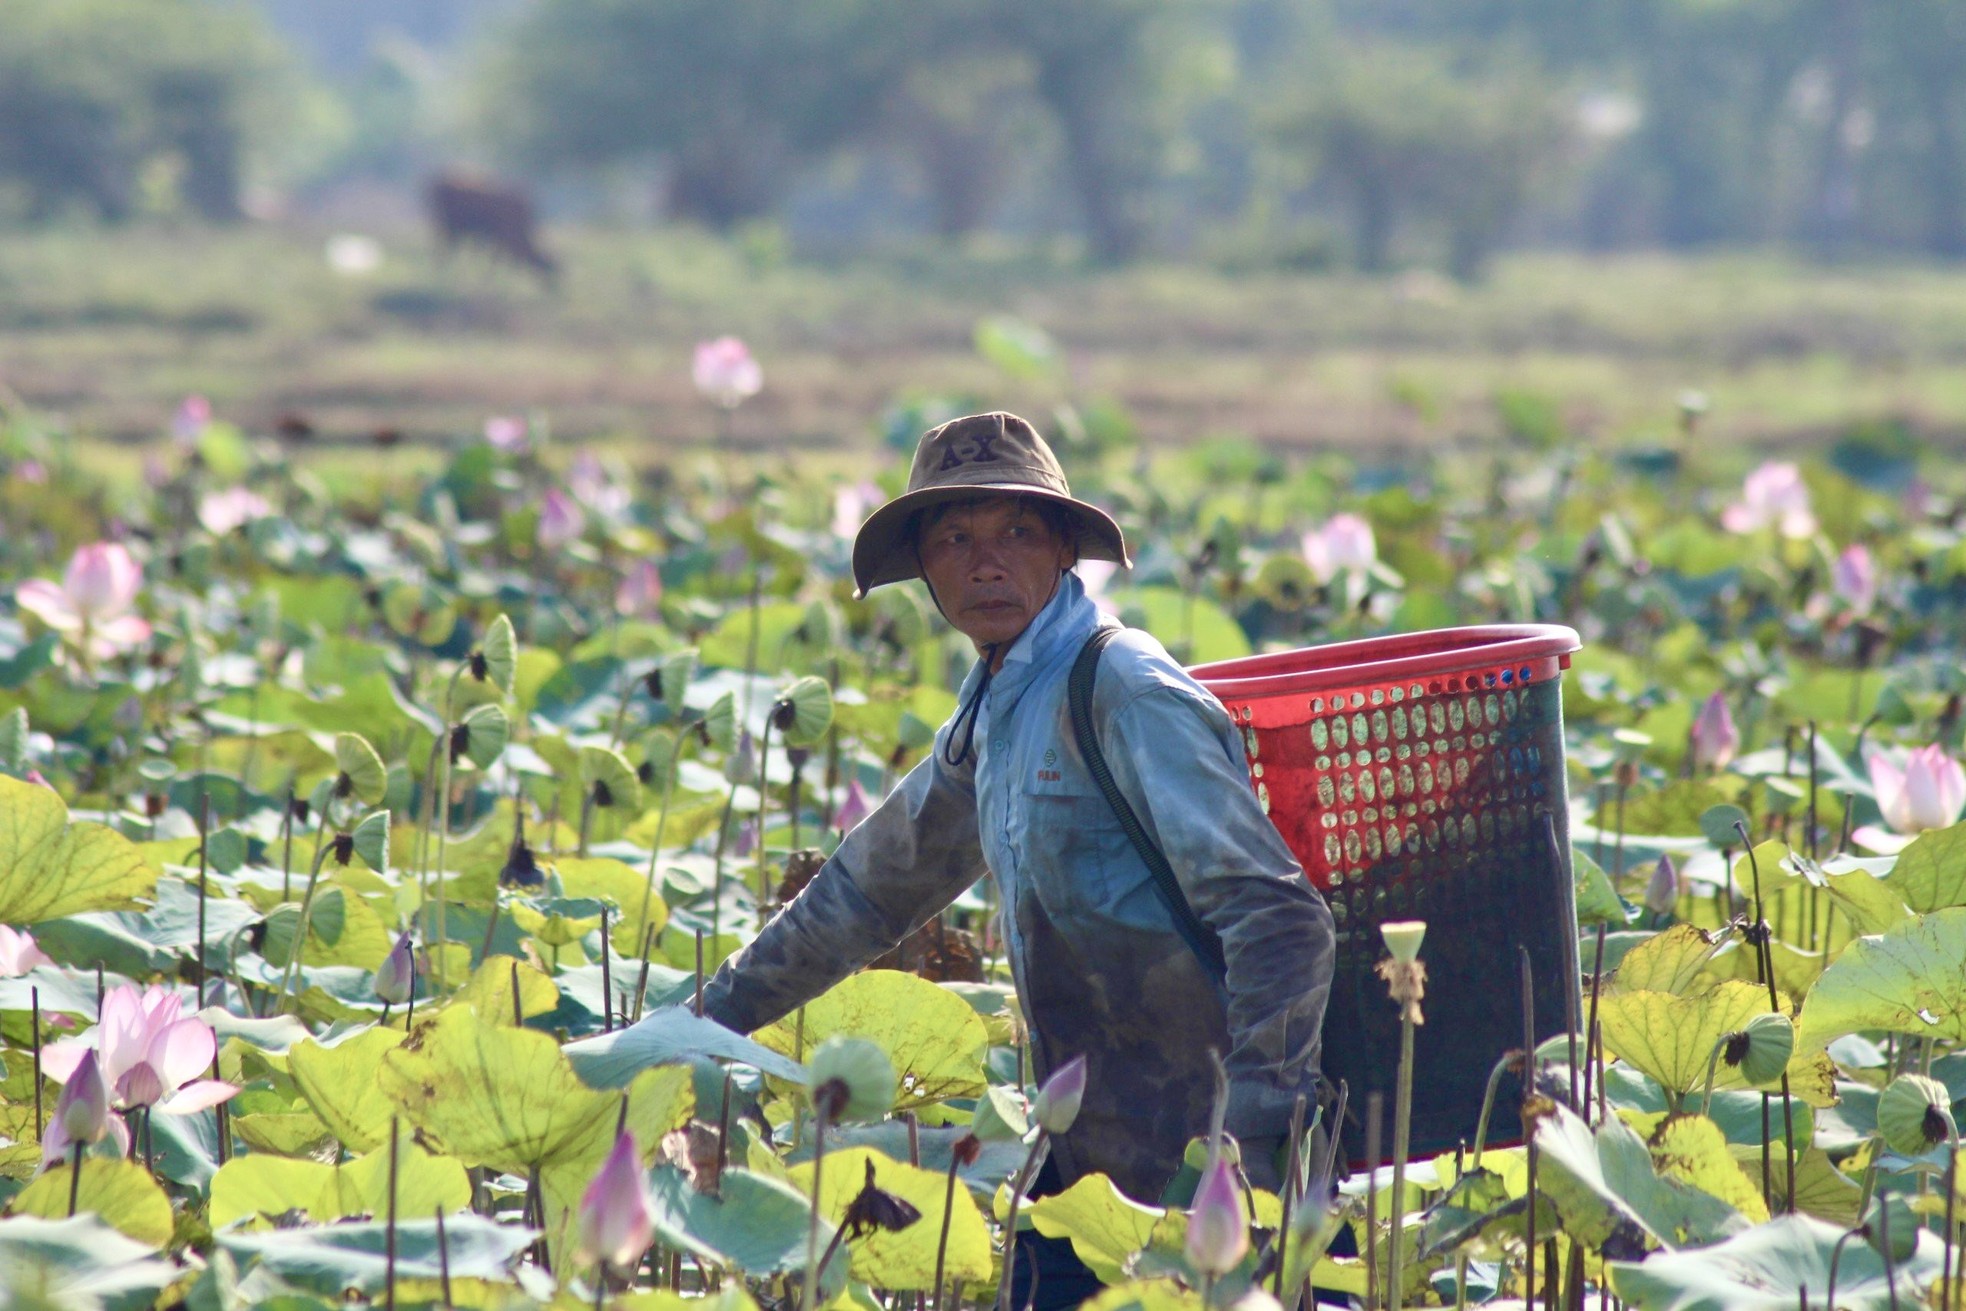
x=1075 y=853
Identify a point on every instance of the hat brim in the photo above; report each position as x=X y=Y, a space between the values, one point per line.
x=882 y=553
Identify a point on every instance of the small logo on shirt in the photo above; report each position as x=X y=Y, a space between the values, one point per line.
x=1050 y=756
x=1049 y=776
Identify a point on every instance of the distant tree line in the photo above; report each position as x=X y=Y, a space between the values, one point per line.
x=1379 y=131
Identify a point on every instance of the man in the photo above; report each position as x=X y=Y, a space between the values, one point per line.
x=989 y=524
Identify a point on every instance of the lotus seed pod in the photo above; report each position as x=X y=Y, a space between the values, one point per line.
x=1403 y=938
x=1761 y=1051
x=1914 y=1114
x=852 y=1079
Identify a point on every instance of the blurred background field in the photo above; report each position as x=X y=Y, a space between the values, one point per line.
x=1383 y=226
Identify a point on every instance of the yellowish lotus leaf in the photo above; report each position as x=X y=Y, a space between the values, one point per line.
x=121 y=1192
x=1667 y=962
x=1160 y=1295
x=934 y=1038
x=659 y=1100
x=902 y=1259
x=1670 y=1038
x=50 y=868
x=613 y=880
x=1105 y=1225
x=289 y=1133
x=1693 y=1150
x=489 y=989
x=1821 y=1189
x=256 y=1185
x=341 y=1083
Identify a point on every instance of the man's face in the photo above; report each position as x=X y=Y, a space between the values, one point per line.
x=993 y=564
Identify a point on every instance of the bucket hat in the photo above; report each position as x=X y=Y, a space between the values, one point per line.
x=975 y=455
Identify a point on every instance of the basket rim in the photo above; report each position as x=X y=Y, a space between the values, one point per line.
x=1391 y=658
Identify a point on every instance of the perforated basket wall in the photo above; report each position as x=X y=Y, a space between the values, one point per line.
x=1421 y=777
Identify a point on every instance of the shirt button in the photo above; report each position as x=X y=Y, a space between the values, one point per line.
x=997 y=745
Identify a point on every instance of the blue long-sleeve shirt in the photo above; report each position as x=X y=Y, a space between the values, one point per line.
x=1099 y=968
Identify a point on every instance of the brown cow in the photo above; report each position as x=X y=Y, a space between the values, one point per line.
x=499 y=217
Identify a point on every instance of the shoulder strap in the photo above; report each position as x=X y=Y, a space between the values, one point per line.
x=1200 y=938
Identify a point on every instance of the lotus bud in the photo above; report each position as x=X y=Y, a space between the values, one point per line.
x=1403 y=938
x=853 y=809
x=1218 y=1232
x=1714 y=737
x=1057 y=1103
x=852 y=1079
x=617 y=1220
x=1761 y=1050
x=1914 y=1114
x=1662 y=890
x=396 y=976
x=83 y=1108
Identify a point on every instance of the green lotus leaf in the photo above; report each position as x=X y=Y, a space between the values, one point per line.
x=1767 y=1267
x=1671 y=961
x=1605 y=1179
x=362 y=767
x=902 y=1259
x=500 y=648
x=1931 y=873
x=610 y=780
x=489 y=989
x=757 y=1223
x=82 y=1262
x=342 y=929
x=1911 y=979
x=810 y=711
x=1777 y=867
x=720 y=723
x=225 y=850
x=121 y=1192
x=611 y=880
x=283 y=1133
x=935 y=1039
x=557 y=921
x=372 y=841
x=673 y=674
x=331 y=1259
x=50 y=868
x=1000 y=1116
x=1868 y=902
x=506 y=1097
x=486 y=730
x=1717 y=823
x=340 y=1079
x=1821 y=1189
x=668 y=1036
x=1597 y=900
x=268 y=1186
x=1106 y=1226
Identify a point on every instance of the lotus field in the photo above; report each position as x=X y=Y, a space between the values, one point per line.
x=365 y=837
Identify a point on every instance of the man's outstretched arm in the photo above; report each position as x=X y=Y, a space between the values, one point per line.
x=895 y=871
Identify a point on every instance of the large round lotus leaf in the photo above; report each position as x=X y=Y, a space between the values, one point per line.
x=268 y=1186
x=935 y=1039
x=810 y=712
x=340 y=1081
x=225 y=850
x=503 y=1096
x=1691 y=1149
x=1604 y=1182
x=50 y=867
x=1911 y=979
x=611 y=880
x=486 y=730
x=1931 y=873
x=756 y=1223
x=500 y=649
x=905 y=1258
x=1106 y=1226
x=1671 y=1038
x=1767 y=1267
x=419 y=613
x=121 y=1192
x=367 y=778
x=611 y=780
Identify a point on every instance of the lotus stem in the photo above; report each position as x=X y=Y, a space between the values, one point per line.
x=1374 y=1112
x=1291 y=1171
x=764 y=760
x=642 y=979
x=697 y=1004
x=607 y=975
x=808 y=1300
x=1593 y=1077
x=1402 y=1119
x=1766 y=963
x=40 y=1123
x=289 y=980
x=389 y=1232
x=1952 y=1188
x=948 y=1209
x=204 y=841
x=443 y=1260
x=1021 y=1182
x=75 y=1178
x=1495 y=1074
x=1713 y=1067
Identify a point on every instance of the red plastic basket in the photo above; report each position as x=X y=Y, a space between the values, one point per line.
x=1421 y=776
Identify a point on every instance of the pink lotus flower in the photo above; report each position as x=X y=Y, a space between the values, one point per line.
x=32 y=472
x=1714 y=737
x=19 y=953
x=595 y=488
x=853 y=809
x=1927 y=793
x=1343 y=545
x=193 y=414
x=221 y=512
x=395 y=978
x=93 y=600
x=1218 y=1231
x=560 y=520
x=617 y=1215
x=851 y=506
x=1773 y=496
x=639 y=594
x=506 y=432
x=150 y=1055
x=725 y=371
x=1662 y=889
x=81 y=1114
x=1855 y=578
